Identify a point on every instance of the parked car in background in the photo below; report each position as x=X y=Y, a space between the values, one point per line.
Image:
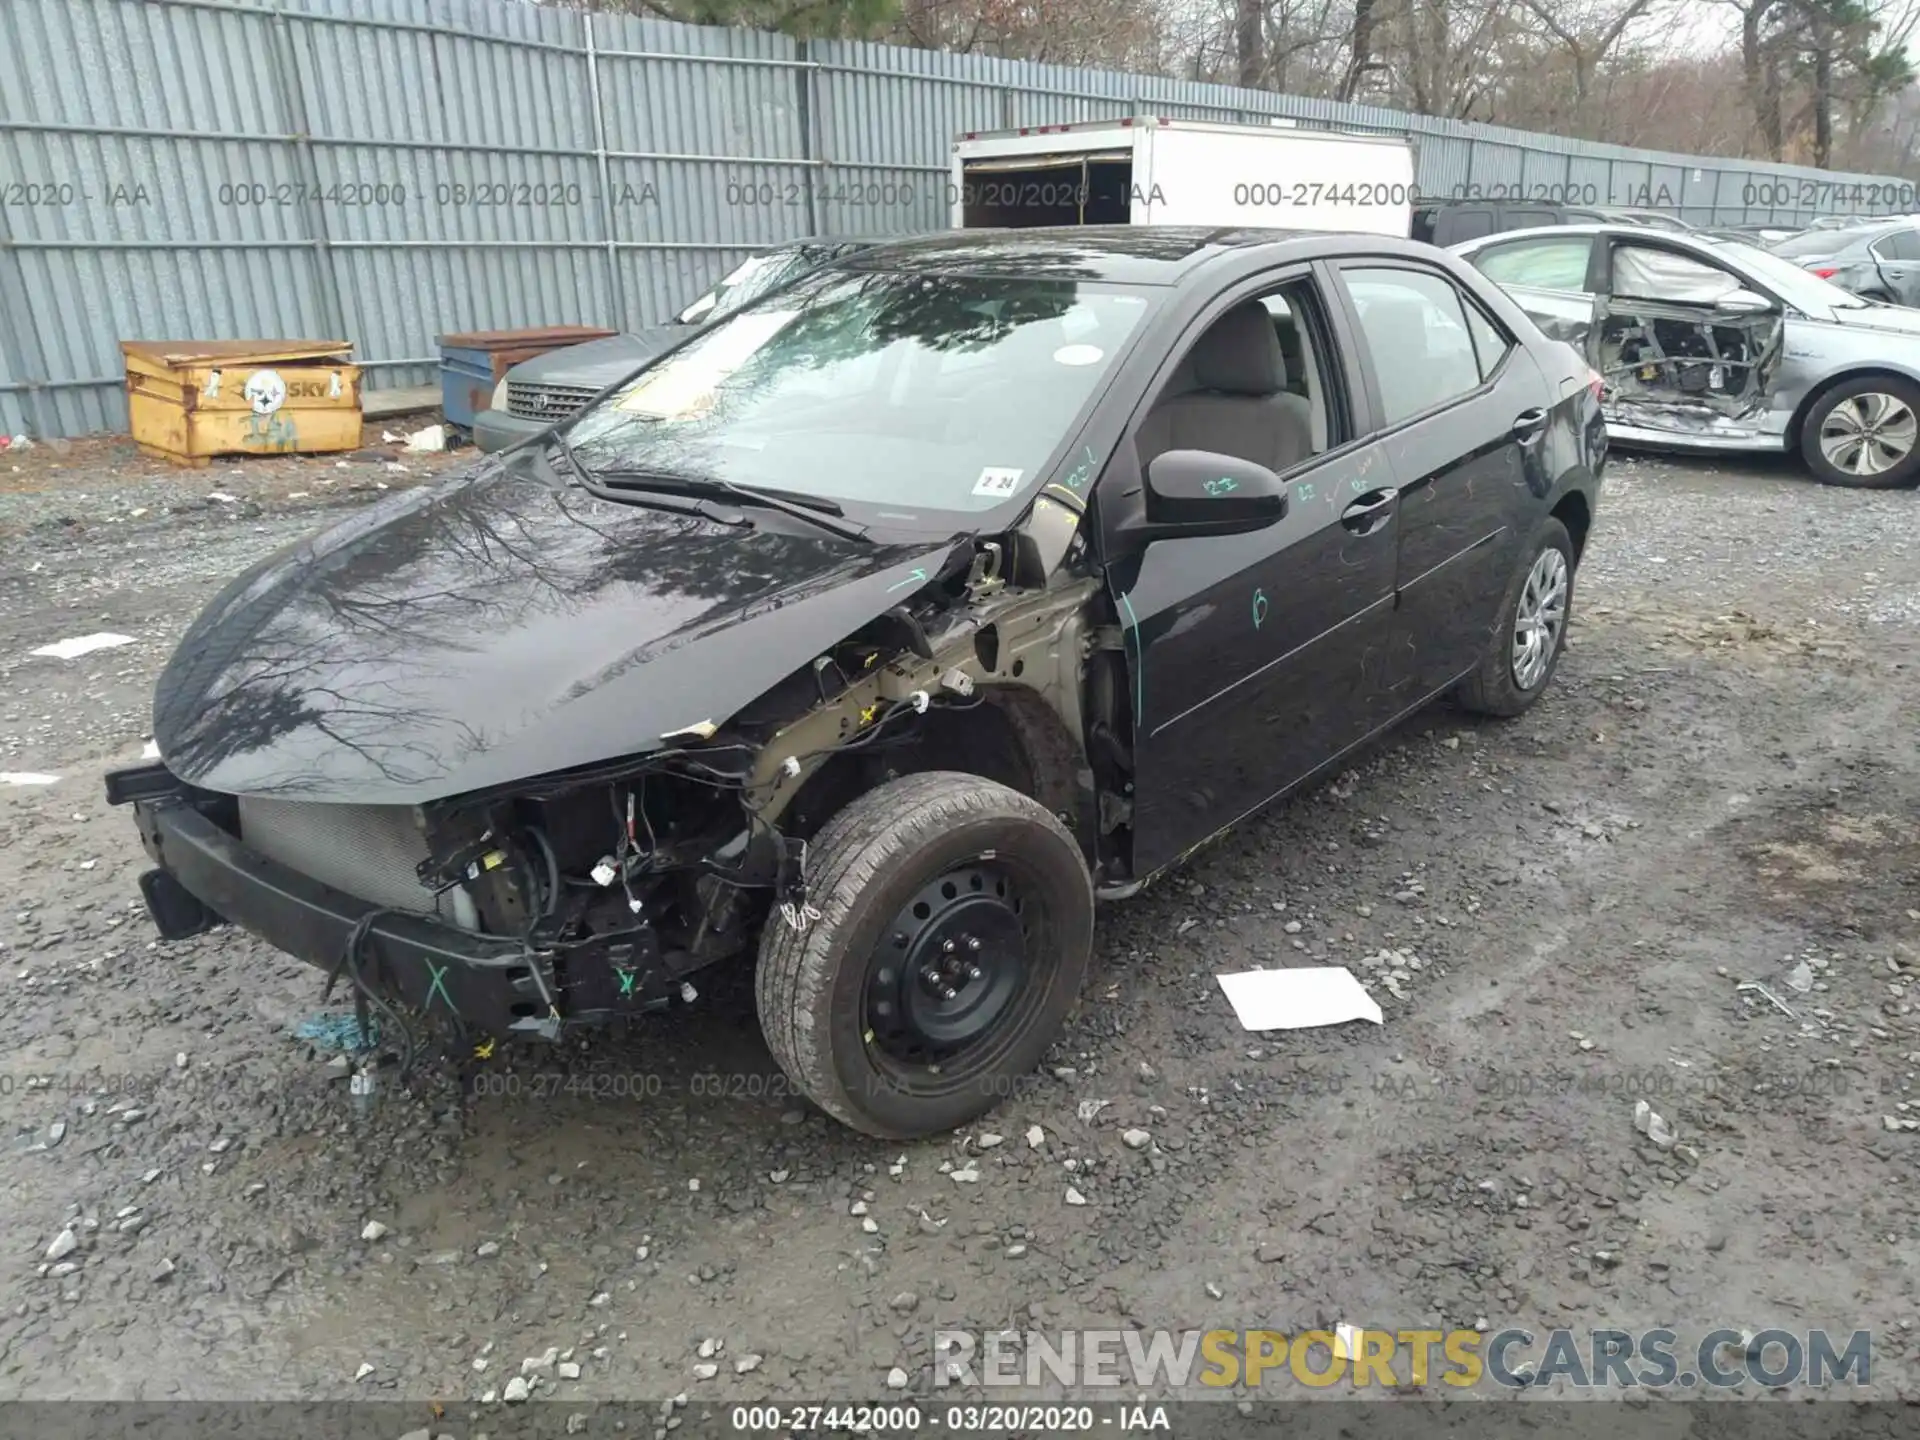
x=536 y=393
x=1718 y=345
x=1765 y=236
x=1877 y=261
x=1640 y=215
x=872 y=634
x=1451 y=222
x=1447 y=223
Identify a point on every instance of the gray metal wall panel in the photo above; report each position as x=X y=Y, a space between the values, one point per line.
x=393 y=170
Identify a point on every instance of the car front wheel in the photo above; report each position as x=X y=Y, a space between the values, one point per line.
x=955 y=922
x=1531 y=630
x=1864 y=434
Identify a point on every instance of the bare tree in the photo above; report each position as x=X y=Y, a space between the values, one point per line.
x=1587 y=30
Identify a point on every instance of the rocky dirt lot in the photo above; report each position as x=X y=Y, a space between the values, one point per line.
x=1690 y=875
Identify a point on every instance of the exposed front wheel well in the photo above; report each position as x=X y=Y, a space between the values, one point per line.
x=1009 y=735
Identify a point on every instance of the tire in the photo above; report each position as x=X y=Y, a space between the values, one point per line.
x=844 y=1024
x=1496 y=688
x=1843 y=410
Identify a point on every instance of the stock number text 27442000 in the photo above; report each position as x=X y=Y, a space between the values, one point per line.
x=1306 y=194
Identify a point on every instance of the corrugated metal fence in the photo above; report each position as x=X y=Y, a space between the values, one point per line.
x=386 y=171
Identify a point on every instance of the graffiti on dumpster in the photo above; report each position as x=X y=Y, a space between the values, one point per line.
x=267 y=428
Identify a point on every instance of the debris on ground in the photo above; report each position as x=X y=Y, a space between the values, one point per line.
x=1649 y=1123
x=83 y=645
x=1299 y=999
x=429 y=440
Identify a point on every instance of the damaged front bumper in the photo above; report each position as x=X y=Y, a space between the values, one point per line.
x=206 y=875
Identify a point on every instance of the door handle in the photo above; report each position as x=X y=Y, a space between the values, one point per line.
x=1366 y=514
x=1529 y=423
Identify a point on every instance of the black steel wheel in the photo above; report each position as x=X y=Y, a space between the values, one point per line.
x=956 y=921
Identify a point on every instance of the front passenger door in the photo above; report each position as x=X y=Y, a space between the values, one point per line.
x=1252 y=659
x=1675 y=363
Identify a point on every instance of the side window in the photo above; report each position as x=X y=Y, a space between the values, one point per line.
x=1900 y=245
x=1542 y=264
x=1644 y=272
x=1490 y=342
x=1416 y=329
x=1253 y=385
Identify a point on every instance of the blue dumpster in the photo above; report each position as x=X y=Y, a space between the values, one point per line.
x=472 y=365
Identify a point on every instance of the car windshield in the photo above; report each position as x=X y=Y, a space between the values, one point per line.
x=1787 y=280
x=747 y=282
x=904 y=392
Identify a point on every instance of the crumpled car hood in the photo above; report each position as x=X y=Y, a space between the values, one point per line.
x=496 y=628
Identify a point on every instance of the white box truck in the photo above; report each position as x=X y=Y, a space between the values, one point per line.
x=1151 y=170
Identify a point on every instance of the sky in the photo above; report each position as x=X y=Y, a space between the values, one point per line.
x=1697 y=27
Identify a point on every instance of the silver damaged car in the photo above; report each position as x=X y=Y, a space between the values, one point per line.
x=1715 y=345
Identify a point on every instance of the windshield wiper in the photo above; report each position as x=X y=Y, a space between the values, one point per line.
x=821 y=513
x=586 y=479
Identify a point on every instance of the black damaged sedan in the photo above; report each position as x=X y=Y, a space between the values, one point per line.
x=871 y=634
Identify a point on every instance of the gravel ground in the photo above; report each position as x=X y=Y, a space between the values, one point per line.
x=1720 y=790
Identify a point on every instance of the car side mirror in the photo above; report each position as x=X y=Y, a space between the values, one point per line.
x=1743 y=302
x=1198 y=492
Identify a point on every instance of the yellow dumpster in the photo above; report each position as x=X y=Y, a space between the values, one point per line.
x=189 y=400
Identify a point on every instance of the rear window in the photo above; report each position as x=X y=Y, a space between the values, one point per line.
x=1453 y=226
x=1527 y=219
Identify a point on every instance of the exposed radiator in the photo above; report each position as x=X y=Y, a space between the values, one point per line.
x=366 y=851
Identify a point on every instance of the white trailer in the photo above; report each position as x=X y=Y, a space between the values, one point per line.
x=1151 y=170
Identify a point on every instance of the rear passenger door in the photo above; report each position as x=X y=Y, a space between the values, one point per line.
x=1462 y=411
x=1549 y=277
x=1897 y=256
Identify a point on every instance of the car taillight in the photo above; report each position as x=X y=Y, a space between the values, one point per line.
x=1596 y=384
x=1823 y=272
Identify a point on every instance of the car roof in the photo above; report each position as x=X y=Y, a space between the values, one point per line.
x=1643 y=234
x=1119 y=254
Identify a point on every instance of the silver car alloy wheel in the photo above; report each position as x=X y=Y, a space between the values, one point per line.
x=1539 y=618
x=1868 y=434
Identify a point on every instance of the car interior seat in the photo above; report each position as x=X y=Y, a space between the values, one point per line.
x=1232 y=397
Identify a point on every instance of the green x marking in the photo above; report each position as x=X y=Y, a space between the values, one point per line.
x=439 y=987
x=626 y=982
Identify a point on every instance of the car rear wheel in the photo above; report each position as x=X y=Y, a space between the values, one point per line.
x=1531 y=631
x=955 y=922
x=1864 y=434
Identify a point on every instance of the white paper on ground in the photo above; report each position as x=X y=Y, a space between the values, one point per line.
x=83 y=645
x=1299 y=999
x=150 y=751
x=26 y=777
